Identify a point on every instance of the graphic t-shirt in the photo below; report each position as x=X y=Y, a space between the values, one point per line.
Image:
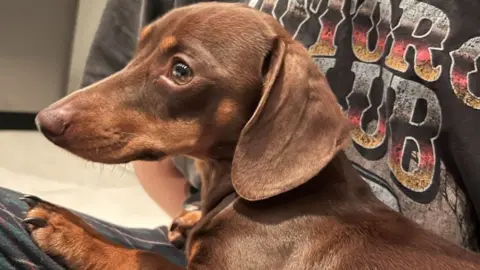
x=405 y=73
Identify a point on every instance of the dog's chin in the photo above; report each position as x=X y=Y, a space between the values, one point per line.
x=142 y=156
x=119 y=157
x=108 y=153
x=149 y=156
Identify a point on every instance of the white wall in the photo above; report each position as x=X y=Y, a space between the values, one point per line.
x=35 y=49
x=88 y=19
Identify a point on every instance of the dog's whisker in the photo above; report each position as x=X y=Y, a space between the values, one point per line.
x=101 y=169
x=124 y=169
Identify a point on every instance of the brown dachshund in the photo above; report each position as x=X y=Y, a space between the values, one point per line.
x=247 y=101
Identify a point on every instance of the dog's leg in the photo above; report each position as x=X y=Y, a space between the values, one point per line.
x=64 y=235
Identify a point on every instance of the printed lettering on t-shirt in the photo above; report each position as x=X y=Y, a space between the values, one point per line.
x=408 y=33
x=464 y=66
x=393 y=117
x=363 y=25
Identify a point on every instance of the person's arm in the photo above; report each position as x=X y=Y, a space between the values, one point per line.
x=112 y=48
x=163 y=183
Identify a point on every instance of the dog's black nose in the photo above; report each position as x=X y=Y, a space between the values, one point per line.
x=52 y=123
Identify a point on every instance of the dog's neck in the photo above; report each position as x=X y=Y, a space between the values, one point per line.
x=340 y=171
x=335 y=188
x=216 y=181
x=338 y=181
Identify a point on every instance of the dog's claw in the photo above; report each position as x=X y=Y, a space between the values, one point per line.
x=31 y=200
x=179 y=243
x=38 y=222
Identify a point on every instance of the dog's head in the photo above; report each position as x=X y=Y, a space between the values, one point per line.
x=211 y=81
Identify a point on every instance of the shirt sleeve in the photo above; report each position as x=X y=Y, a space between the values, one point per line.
x=116 y=38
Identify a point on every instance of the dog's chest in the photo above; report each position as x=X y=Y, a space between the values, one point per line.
x=235 y=239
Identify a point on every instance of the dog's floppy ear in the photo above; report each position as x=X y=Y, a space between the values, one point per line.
x=295 y=131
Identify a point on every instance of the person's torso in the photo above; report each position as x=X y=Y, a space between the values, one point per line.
x=398 y=69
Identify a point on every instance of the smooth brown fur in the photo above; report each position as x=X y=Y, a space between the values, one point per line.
x=268 y=137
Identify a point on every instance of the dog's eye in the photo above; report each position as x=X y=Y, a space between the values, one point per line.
x=181 y=73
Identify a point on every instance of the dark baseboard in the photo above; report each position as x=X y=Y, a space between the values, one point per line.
x=17 y=121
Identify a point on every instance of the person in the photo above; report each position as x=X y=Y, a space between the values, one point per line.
x=405 y=74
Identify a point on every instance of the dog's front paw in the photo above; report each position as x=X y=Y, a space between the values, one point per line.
x=57 y=231
x=182 y=225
